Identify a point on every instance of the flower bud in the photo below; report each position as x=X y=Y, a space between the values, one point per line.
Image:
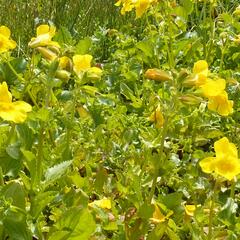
x=94 y=73
x=63 y=75
x=47 y=54
x=190 y=99
x=237 y=11
x=157 y=75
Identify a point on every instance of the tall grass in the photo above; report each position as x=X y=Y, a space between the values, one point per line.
x=80 y=17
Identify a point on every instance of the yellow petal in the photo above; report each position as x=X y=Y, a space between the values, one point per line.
x=207 y=164
x=190 y=209
x=157 y=216
x=5 y=31
x=228 y=167
x=213 y=88
x=22 y=106
x=201 y=66
x=82 y=62
x=141 y=7
x=157 y=117
x=223 y=147
x=102 y=203
x=221 y=104
x=5 y=95
x=42 y=29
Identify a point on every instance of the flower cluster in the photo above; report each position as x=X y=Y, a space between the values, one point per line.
x=50 y=50
x=226 y=162
x=140 y=6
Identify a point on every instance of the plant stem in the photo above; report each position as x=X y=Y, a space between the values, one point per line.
x=154 y=183
x=211 y=212
x=1 y=177
x=232 y=193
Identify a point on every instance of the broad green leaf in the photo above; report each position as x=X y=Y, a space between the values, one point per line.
x=158 y=232
x=84 y=46
x=15 y=191
x=39 y=202
x=56 y=172
x=15 y=225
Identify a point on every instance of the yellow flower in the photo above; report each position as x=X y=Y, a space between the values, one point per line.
x=226 y=162
x=140 y=6
x=158 y=216
x=12 y=111
x=157 y=117
x=82 y=64
x=218 y=98
x=44 y=37
x=102 y=203
x=190 y=209
x=200 y=69
x=212 y=88
x=221 y=104
x=5 y=42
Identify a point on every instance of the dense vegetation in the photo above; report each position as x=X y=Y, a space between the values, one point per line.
x=119 y=119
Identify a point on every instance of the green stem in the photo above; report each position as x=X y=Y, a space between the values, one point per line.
x=11 y=133
x=1 y=177
x=154 y=183
x=23 y=80
x=232 y=193
x=211 y=212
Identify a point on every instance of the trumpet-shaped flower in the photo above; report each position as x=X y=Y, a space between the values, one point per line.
x=226 y=162
x=44 y=37
x=12 y=111
x=6 y=43
x=213 y=88
x=221 y=104
x=82 y=64
x=200 y=69
x=141 y=6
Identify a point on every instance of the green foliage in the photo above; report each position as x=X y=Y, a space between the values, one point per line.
x=116 y=155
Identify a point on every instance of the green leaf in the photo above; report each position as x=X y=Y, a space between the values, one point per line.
x=39 y=202
x=6 y=74
x=228 y=211
x=56 y=171
x=84 y=46
x=15 y=191
x=146 y=47
x=78 y=222
x=146 y=210
x=81 y=231
x=63 y=36
x=158 y=232
x=15 y=225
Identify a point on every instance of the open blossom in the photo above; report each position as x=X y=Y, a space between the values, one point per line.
x=214 y=90
x=44 y=37
x=226 y=162
x=6 y=43
x=12 y=111
x=82 y=64
x=141 y=6
x=200 y=69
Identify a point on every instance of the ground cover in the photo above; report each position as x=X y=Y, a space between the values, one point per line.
x=122 y=132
